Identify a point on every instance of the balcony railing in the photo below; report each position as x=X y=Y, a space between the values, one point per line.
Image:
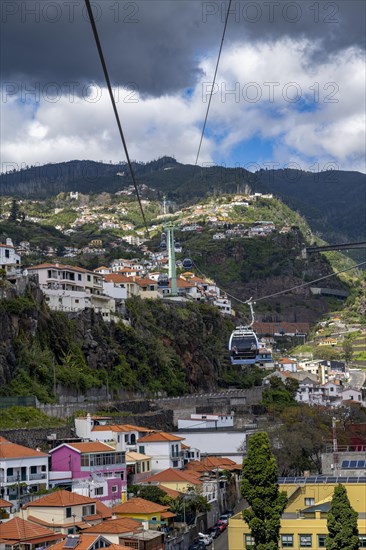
x=38 y=476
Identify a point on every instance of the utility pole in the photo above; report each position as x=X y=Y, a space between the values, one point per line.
x=171 y=255
x=54 y=376
x=335 y=445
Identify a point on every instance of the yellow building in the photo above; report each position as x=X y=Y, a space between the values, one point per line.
x=304 y=522
x=144 y=510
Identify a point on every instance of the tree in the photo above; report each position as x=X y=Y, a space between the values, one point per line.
x=342 y=523
x=260 y=489
x=347 y=349
x=14 y=211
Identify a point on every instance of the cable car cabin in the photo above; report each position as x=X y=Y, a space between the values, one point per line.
x=163 y=245
x=187 y=263
x=163 y=280
x=243 y=346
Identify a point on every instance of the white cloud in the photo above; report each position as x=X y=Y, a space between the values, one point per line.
x=332 y=130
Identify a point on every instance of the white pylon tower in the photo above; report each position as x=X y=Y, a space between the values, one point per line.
x=171 y=256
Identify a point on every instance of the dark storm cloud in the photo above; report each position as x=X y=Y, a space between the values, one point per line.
x=155 y=46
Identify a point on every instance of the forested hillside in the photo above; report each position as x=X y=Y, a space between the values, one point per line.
x=333 y=202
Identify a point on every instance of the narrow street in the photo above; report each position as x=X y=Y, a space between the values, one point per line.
x=356 y=378
x=221 y=543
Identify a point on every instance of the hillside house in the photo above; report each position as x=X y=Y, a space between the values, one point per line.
x=70 y=288
x=10 y=260
x=19 y=534
x=65 y=512
x=78 y=463
x=20 y=464
x=165 y=450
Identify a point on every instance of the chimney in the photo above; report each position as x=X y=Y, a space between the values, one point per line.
x=9 y=242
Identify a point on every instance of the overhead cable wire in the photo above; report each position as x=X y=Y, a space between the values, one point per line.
x=108 y=82
x=213 y=84
x=302 y=285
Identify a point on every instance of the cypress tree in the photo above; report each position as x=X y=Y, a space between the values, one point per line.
x=260 y=489
x=342 y=523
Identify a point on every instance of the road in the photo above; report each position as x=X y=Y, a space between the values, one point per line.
x=356 y=378
x=221 y=543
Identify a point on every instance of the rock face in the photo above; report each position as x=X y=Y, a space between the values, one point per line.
x=167 y=348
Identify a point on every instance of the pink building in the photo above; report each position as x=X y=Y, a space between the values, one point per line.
x=91 y=468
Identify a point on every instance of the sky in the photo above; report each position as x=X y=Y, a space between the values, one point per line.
x=290 y=88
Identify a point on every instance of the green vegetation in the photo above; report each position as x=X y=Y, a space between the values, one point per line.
x=342 y=522
x=280 y=395
x=259 y=488
x=25 y=418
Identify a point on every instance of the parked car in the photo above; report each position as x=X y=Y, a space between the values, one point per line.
x=224 y=518
x=214 y=531
x=221 y=525
x=229 y=513
x=205 y=538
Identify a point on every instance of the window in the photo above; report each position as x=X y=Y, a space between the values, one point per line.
x=141 y=448
x=79 y=277
x=362 y=539
x=33 y=469
x=305 y=541
x=88 y=277
x=76 y=300
x=44 y=468
x=309 y=501
x=7 y=253
x=88 y=510
x=321 y=541
x=175 y=463
x=287 y=541
x=114 y=488
x=68 y=512
x=249 y=541
x=98 y=491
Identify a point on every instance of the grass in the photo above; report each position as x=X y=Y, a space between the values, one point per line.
x=26 y=417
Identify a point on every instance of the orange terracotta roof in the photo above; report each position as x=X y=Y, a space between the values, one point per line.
x=53 y=524
x=13 y=450
x=139 y=505
x=144 y=282
x=166 y=515
x=170 y=492
x=181 y=283
x=116 y=278
x=5 y=504
x=84 y=542
x=121 y=428
x=89 y=447
x=60 y=499
x=287 y=360
x=19 y=530
x=115 y=526
x=160 y=436
x=172 y=474
x=118 y=547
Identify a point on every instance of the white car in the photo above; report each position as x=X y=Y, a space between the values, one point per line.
x=206 y=539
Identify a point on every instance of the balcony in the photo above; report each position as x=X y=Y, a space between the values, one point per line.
x=176 y=455
x=39 y=475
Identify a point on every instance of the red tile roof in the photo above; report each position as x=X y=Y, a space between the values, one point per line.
x=116 y=278
x=173 y=475
x=60 y=499
x=88 y=447
x=5 y=504
x=160 y=436
x=13 y=450
x=139 y=505
x=19 y=530
x=85 y=541
x=115 y=526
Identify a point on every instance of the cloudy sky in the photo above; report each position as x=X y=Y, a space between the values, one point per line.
x=290 y=88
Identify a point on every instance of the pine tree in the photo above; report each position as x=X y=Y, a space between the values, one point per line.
x=342 y=523
x=260 y=489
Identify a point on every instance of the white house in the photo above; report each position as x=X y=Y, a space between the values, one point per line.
x=165 y=450
x=9 y=259
x=351 y=394
x=71 y=288
x=20 y=464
